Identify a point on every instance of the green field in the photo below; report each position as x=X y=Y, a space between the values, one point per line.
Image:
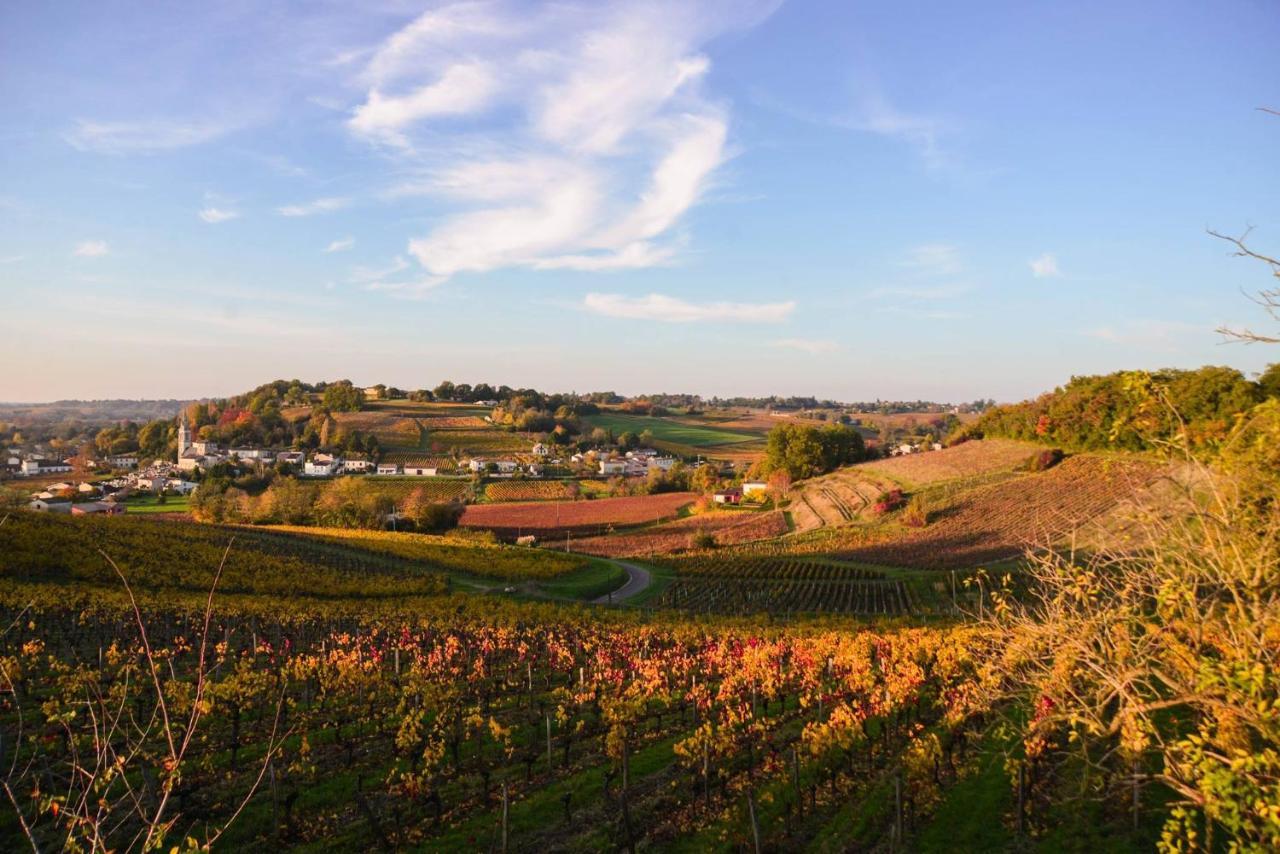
x=152 y=504
x=670 y=431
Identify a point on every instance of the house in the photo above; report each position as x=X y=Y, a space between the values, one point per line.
x=610 y=467
x=753 y=487
x=577 y=458
x=123 y=462
x=421 y=471
x=86 y=488
x=642 y=452
x=51 y=505
x=322 y=465
x=292 y=458
x=662 y=463
x=387 y=468
x=356 y=466
x=534 y=470
x=105 y=508
x=541 y=450
x=179 y=486
x=154 y=483
x=728 y=496
x=250 y=453
x=372 y=393
x=62 y=486
x=507 y=466
x=36 y=465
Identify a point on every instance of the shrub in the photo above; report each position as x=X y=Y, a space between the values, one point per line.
x=704 y=540
x=889 y=501
x=917 y=513
x=1043 y=460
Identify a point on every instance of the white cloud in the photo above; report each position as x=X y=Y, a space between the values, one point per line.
x=921 y=132
x=213 y=215
x=675 y=310
x=146 y=136
x=1045 y=267
x=812 y=346
x=340 y=245
x=585 y=134
x=934 y=259
x=414 y=290
x=1151 y=334
x=92 y=249
x=311 y=208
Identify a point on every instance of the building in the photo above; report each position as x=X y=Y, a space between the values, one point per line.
x=421 y=471
x=33 y=466
x=611 y=467
x=125 y=461
x=322 y=465
x=51 y=505
x=372 y=393
x=250 y=453
x=179 y=486
x=292 y=458
x=754 y=487
x=358 y=465
x=662 y=463
x=91 y=508
x=388 y=469
x=728 y=496
x=541 y=450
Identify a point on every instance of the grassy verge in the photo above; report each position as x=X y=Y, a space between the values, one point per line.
x=596 y=579
x=152 y=504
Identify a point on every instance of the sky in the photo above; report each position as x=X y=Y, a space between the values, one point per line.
x=851 y=200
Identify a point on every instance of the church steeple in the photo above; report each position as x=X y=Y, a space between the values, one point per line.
x=182 y=437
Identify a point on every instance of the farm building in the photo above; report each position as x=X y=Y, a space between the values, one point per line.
x=728 y=496
x=388 y=468
x=608 y=467
x=358 y=465
x=421 y=471
x=51 y=505
x=91 y=508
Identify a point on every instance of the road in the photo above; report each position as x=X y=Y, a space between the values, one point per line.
x=637 y=579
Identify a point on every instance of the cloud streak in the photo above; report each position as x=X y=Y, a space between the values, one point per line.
x=213 y=215
x=91 y=249
x=148 y=136
x=340 y=245
x=594 y=136
x=670 y=309
x=319 y=206
x=1045 y=267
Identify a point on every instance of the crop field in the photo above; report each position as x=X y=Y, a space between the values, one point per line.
x=671 y=430
x=978 y=457
x=485 y=441
x=557 y=518
x=772 y=596
x=393 y=430
x=446 y=553
x=1003 y=520
x=727 y=527
x=530 y=490
x=436 y=489
x=526 y=728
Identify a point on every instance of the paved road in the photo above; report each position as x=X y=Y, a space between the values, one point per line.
x=637 y=579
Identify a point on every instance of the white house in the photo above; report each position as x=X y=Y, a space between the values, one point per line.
x=123 y=461
x=322 y=465
x=388 y=468
x=293 y=458
x=662 y=463
x=359 y=466
x=181 y=487
x=86 y=488
x=608 y=467
x=507 y=466
x=250 y=453
x=541 y=450
x=421 y=471
x=753 y=487
x=33 y=466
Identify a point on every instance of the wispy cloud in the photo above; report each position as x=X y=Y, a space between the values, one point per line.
x=1151 y=334
x=920 y=293
x=213 y=215
x=146 y=136
x=340 y=245
x=1045 y=267
x=921 y=132
x=91 y=249
x=609 y=96
x=812 y=346
x=11 y=259
x=319 y=206
x=365 y=275
x=414 y=290
x=934 y=259
x=675 y=310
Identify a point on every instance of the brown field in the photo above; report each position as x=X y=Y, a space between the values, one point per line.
x=728 y=528
x=966 y=460
x=556 y=518
x=434 y=488
x=1002 y=520
x=393 y=431
x=530 y=490
x=487 y=441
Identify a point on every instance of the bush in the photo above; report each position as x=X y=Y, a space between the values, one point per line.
x=1043 y=460
x=704 y=540
x=889 y=501
x=917 y=513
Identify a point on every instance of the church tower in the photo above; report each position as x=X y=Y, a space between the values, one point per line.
x=182 y=437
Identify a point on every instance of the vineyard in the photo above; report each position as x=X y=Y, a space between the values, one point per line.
x=447 y=553
x=1000 y=521
x=393 y=431
x=977 y=457
x=434 y=489
x=528 y=729
x=531 y=490
x=558 y=518
x=787 y=598
x=726 y=528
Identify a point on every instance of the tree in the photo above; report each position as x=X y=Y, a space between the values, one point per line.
x=444 y=391
x=342 y=396
x=803 y=450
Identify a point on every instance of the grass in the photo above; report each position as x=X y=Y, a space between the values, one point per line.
x=152 y=504
x=669 y=430
x=594 y=580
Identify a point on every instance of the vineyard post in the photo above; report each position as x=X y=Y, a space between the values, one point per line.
x=795 y=779
x=755 y=825
x=549 y=766
x=505 y=811
x=626 y=792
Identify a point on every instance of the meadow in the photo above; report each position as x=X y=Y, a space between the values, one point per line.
x=673 y=431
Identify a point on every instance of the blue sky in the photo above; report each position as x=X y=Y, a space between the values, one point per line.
x=852 y=200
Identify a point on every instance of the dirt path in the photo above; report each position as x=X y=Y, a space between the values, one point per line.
x=638 y=579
